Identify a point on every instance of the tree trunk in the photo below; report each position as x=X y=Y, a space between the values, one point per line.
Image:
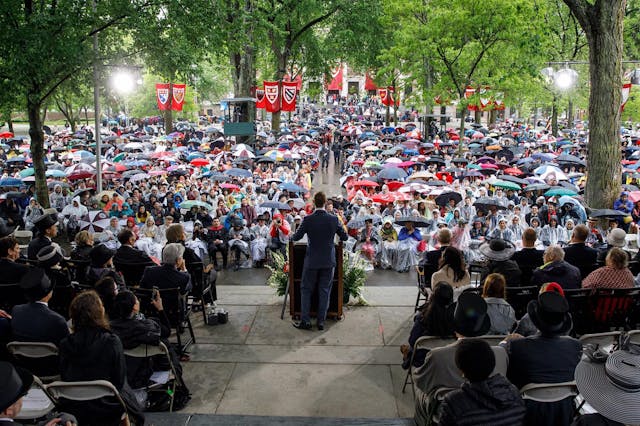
x=492 y=116
x=245 y=76
x=477 y=116
x=463 y=107
x=37 y=151
x=602 y=23
x=554 y=116
x=570 y=114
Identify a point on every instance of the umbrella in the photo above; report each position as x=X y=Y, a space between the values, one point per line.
x=359 y=221
x=506 y=185
x=634 y=196
x=274 y=205
x=536 y=187
x=139 y=176
x=513 y=171
x=8 y=182
x=94 y=221
x=134 y=146
x=82 y=191
x=195 y=203
x=418 y=222
x=108 y=193
x=298 y=203
x=608 y=213
x=571 y=159
x=238 y=172
x=366 y=183
x=487 y=202
x=53 y=183
x=559 y=191
x=393 y=173
x=514 y=179
x=443 y=199
x=199 y=162
x=27 y=172
x=216 y=176
x=292 y=187
x=229 y=186
x=17 y=159
x=414 y=187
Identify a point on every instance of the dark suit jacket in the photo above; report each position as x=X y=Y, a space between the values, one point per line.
x=165 y=276
x=432 y=258
x=35 y=322
x=36 y=245
x=320 y=228
x=11 y=272
x=582 y=257
x=528 y=257
x=130 y=255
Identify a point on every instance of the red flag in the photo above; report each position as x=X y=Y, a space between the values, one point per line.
x=289 y=90
x=272 y=96
x=626 y=90
x=336 y=79
x=384 y=96
x=369 y=84
x=297 y=80
x=260 y=98
x=468 y=92
x=162 y=96
x=177 y=100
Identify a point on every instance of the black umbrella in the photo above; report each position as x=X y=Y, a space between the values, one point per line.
x=81 y=191
x=418 y=222
x=359 y=221
x=607 y=213
x=514 y=179
x=460 y=160
x=443 y=199
x=486 y=203
x=536 y=187
x=571 y=159
x=437 y=183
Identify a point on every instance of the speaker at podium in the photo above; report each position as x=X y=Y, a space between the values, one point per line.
x=297 y=252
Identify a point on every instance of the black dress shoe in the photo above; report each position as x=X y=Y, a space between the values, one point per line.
x=321 y=326
x=302 y=325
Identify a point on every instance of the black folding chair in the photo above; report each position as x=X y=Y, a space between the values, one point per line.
x=132 y=272
x=11 y=295
x=519 y=298
x=613 y=308
x=581 y=308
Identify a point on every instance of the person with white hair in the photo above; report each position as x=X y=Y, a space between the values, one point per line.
x=501 y=231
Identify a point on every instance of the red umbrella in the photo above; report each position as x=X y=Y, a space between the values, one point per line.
x=513 y=171
x=454 y=137
x=384 y=198
x=358 y=162
x=368 y=183
x=394 y=185
x=6 y=135
x=162 y=154
x=405 y=164
x=81 y=174
x=199 y=162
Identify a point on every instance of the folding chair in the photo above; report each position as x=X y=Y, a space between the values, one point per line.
x=634 y=336
x=581 y=308
x=36 y=403
x=424 y=342
x=423 y=296
x=492 y=339
x=24 y=238
x=519 y=298
x=30 y=356
x=549 y=392
x=607 y=341
x=613 y=307
x=11 y=295
x=435 y=400
x=83 y=391
x=132 y=272
x=146 y=351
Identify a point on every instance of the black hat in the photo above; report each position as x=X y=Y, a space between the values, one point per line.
x=100 y=255
x=550 y=313
x=36 y=284
x=16 y=382
x=48 y=256
x=45 y=221
x=470 y=317
x=238 y=222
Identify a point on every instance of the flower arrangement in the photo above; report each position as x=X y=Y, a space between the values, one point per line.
x=353 y=277
x=279 y=273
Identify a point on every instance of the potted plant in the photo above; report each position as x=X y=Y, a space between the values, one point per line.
x=279 y=273
x=353 y=278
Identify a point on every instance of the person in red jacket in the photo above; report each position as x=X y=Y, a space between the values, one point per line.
x=279 y=233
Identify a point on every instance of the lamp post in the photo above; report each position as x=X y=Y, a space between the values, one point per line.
x=562 y=80
x=124 y=83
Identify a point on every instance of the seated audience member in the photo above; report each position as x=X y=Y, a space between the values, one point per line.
x=102 y=265
x=84 y=244
x=556 y=269
x=431 y=258
x=483 y=398
x=171 y=274
x=615 y=238
x=126 y=253
x=529 y=258
x=10 y=271
x=502 y=315
x=525 y=327
x=499 y=252
x=107 y=290
x=547 y=357
x=218 y=239
x=435 y=318
x=93 y=352
x=175 y=234
x=134 y=330
x=578 y=253
x=50 y=260
x=46 y=227
x=439 y=369
x=16 y=382
x=617 y=402
x=452 y=269
x=614 y=274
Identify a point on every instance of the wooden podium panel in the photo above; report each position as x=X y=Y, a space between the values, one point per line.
x=297 y=252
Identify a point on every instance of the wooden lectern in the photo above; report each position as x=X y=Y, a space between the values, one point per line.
x=297 y=252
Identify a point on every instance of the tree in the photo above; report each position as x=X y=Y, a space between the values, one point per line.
x=603 y=23
x=72 y=97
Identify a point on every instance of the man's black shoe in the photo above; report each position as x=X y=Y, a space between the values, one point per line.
x=320 y=326
x=302 y=325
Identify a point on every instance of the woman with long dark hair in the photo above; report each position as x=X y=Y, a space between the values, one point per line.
x=453 y=270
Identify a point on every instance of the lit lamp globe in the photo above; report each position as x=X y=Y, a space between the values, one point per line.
x=565 y=78
x=123 y=82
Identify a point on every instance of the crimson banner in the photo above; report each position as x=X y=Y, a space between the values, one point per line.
x=272 y=96
x=289 y=90
x=260 y=98
x=336 y=79
x=162 y=96
x=177 y=100
x=383 y=96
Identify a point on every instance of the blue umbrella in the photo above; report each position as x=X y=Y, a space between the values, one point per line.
x=394 y=173
x=292 y=187
x=238 y=172
x=275 y=205
x=17 y=159
x=411 y=152
x=388 y=130
x=7 y=182
x=543 y=156
x=195 y=155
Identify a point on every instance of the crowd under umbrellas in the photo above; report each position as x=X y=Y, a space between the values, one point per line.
x=399 y=185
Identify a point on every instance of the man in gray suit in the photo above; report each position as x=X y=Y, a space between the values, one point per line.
x=319 y=261
x=439 y=368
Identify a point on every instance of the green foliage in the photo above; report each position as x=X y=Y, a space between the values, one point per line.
x=632 y=107
x=354 y=275
x=278 y=278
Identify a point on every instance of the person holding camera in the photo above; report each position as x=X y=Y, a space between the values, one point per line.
x=279 y=233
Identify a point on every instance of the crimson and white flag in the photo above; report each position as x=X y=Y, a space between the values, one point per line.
x=272 y=96
x=177 y=100
x=289 y=91
x=162 y=96
x=626 y=90
x=469 y=91
x=384 y=96
x=260 y=98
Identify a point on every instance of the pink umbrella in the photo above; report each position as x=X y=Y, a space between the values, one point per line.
x=477 y=135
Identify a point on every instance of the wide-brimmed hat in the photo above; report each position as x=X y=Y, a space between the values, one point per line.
x=36 y=284
x=617 y=237
x=612 y=388
x=100 y=255
x=48 y=256
x=45 y=221
x=550 y=313
x=16 y=382
x=470 y=318
x=497 y=249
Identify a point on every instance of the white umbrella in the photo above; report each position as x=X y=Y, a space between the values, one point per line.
x=94 y=221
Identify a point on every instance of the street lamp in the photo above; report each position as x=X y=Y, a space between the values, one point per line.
x=123 y=82
x=565 y=78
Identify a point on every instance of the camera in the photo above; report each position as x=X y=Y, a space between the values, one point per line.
x=155 y=293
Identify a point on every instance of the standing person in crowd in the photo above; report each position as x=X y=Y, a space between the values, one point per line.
x=218 y=238
x=279 y=232
x=320 y=228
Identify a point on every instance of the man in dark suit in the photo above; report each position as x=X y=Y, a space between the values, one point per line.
x=47 y=229
x=171 y=274
x=529 y=258
x=579 y=254
x=127 y=254
x=320 y=260
x=10 y=271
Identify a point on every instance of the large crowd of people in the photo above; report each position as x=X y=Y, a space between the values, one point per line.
x=175 y=209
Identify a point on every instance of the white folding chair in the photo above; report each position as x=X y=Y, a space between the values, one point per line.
x=83 y=391
x=634 y=336
x=34 y=351
x=36 y=403
x=607 y=341
x=23 y=237
x=549 y=392
x=492 y=339
x=424 y=342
